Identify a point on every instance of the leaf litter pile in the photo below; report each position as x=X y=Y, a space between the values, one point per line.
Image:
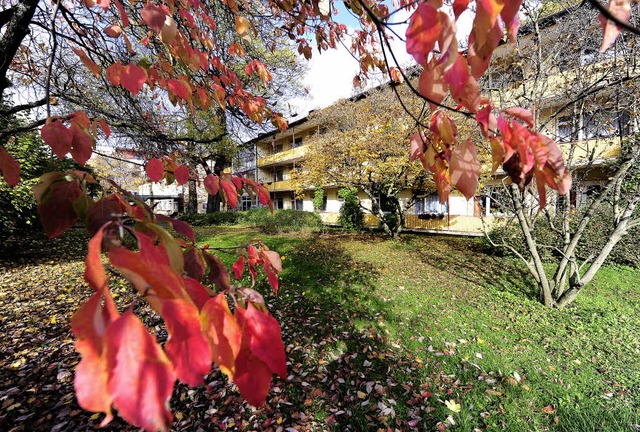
x=362 y=348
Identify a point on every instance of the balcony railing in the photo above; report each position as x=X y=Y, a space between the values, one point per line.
x=283 y=157
x=593 y=149
x=279 y=185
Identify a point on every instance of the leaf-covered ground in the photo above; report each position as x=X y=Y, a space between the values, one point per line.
x=428 y=333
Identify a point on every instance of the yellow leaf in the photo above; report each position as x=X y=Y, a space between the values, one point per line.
x=362 y=395
x=453 y=405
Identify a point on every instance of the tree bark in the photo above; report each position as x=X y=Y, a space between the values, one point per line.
x=17 y=27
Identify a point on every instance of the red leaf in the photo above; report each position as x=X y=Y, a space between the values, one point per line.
x=90 y=64
x=223 y=332
x=89 y=325
x=58 y=137
x=510 y=17
x=179 y=226
x=417 y=148
x=198 y=293
x=610 y=31
x=114 y=73
x=105 y=128
x=230 y=191
x=274 y=259
x=465 y=168
x=271 y=277
x=123 y=14
x=154 y=16
x=113 y=31
x=149 y=271
x=432 y=85
x=464 y=87
x=142 y=378
x=133 y=78
x=218 y=273
x=101 y=212
x=194 y=265
x=263 y=335
x=238 y=267
x=181 y=174
x=422 y=33
x=154 y=169
x=459 y=6
x=81 y=145
x=187 y=348
x=261 y=354
x=212 y=184
x=179 y=88
x=56 y=206
x=521 y=113
x=487 y=121
x=9 y=167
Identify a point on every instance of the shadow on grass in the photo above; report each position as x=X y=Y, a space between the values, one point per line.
x=466 y=259
x=345 y=373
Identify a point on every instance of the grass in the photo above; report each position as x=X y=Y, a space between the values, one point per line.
x=424 y=333
x=436 y=317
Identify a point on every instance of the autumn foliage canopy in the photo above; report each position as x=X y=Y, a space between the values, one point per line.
x=171 y=48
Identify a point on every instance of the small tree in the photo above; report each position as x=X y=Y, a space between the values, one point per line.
x=593 y=115
x=351 y=215
x=364 y=148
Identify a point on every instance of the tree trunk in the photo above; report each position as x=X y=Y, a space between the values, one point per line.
x=192 y=205
x=15 y=30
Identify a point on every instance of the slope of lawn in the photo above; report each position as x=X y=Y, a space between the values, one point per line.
x=427 y=333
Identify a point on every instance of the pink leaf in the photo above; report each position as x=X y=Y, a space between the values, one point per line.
x=154 y=169
x=58 y=137
x=465 y=168
x=154 y=16
x=422 y=33
x=9 y=167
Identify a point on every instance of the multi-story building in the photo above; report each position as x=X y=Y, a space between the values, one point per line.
x=583 y=99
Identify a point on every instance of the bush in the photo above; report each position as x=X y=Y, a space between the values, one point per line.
x=597 y=233
x=206 y=219
x=281 y=220
x=351 y=215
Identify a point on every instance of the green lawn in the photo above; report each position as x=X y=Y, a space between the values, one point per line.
x=424 y=333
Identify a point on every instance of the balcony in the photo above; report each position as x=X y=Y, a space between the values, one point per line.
x=279 y=186
x=283 y=157
x=597 y=149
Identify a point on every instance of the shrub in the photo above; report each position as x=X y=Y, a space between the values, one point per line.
x=351 y=215
x=281 y=220
x=598 y=231
x=206 y=219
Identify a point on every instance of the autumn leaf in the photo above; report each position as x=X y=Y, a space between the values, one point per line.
x=154 y=16
x=610 y=30
x=453 y=405
x=223 y=333
x=9 y=167
x=86 y=60
x=422 y=33
x=154 y=169
x=194 y=265
x=182 y=174
x=56 y=198
x=187 y=348
x=465 y=168
x=212 y=184
x=57 y=136
x=141 y=376
x=238 y=267
x=81 y=145
x=218 y=273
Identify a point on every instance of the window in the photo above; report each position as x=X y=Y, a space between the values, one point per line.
x=297 y=142
x=565 y=130
x=296 y=204
x=278 y=203
x=278 y=175
x=323 y=207
x=429 y=204
x=277 y=148
x=247 y=202
x=606 y=124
